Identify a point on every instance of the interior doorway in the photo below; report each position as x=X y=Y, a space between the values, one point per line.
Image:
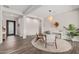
x=11 y=27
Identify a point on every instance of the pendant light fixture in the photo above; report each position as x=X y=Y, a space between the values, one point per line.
x=50 y=16
x=51 y=19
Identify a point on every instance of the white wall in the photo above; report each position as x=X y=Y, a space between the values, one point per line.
x=64 y=19
x=0 y=25
x=20 y=28
x=7 y=16
x=28 y=26
x=31 y=26
x=67 y=18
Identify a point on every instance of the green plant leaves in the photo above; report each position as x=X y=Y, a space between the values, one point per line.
x=72 y=31
x=72 y=27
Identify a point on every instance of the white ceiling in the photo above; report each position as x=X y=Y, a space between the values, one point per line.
x=42 y=11
x=56 y=9
x=20 y=8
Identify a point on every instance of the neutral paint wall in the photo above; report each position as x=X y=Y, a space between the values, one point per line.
x=28 y=26
x=64 y=19
x=20 y=28
x=0 y=25
x=31 y=26
x=8 y=17
x=67 y=18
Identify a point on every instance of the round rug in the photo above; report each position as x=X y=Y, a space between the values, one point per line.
x=62 y=46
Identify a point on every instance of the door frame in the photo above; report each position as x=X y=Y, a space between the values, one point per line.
x=7 y=23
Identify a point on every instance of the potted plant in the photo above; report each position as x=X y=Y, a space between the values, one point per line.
x=72 y=31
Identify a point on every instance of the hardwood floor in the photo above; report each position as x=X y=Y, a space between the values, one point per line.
x=17 y=45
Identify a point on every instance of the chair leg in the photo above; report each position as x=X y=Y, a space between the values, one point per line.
x=45 y=41
x=55 y=42
x=56 y=45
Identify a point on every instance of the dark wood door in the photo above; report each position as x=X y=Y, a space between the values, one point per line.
x=11 y=27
